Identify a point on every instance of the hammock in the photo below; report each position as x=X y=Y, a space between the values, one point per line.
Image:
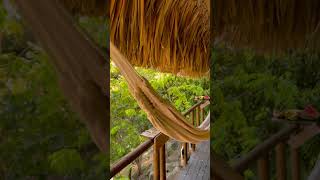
x=161 y=113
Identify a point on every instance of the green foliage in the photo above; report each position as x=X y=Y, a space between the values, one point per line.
x=66 y=161
x=40 y=136
x=128 y=120
x=248 y=87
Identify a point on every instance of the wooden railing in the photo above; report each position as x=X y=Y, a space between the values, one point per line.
x=196 y=114
x=293 y=134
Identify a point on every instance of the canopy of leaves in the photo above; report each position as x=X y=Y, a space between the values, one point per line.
x=246 y=88
x=40 y=137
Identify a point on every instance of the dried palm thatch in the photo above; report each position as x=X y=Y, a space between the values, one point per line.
x=87 y=7
x=267 y=25
x=169 y=36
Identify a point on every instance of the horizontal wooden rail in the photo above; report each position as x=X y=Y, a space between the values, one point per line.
x=192 y=108
x=243 y=163
x=130 y=157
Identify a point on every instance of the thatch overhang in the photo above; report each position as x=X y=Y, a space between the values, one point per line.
x=169 y=36
x=267 y=25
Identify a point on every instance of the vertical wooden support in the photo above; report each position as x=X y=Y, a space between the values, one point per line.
x=198 y=116
x=163 y=162
x=193 y=146
x=156 y=164
x=295 y=161
x=202 y=114
x=159 y=164
x=281 y=162
x=263 y=168
x=184 y=154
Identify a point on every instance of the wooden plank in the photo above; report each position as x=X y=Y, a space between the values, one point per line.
x=198 y=165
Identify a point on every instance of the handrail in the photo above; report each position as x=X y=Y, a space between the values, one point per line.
x=127 y=159
x=243 y=163
x=130 y=157
x=192 y=108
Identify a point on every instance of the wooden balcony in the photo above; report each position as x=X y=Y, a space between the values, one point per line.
x=283 y=146
x=157 y=140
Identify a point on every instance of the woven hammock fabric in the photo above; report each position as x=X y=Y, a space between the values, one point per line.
x=161 y=113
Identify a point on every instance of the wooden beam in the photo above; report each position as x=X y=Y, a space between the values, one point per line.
x=81 y=67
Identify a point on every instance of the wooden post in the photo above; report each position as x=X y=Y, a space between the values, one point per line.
x=156 y=164
x=159 y=166
x=263 y=168
x=198 y=116
x=280 y=162
x=193 y=146
x=295 y=161
x=163 y=162
x=184 y=154
x=202 y=114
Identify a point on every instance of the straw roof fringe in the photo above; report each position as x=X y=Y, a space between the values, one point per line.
x=169 y=36
x=267 y=25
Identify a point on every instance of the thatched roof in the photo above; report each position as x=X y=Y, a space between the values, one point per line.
x=174 y=36
x=169 y=36
x=267 y=25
